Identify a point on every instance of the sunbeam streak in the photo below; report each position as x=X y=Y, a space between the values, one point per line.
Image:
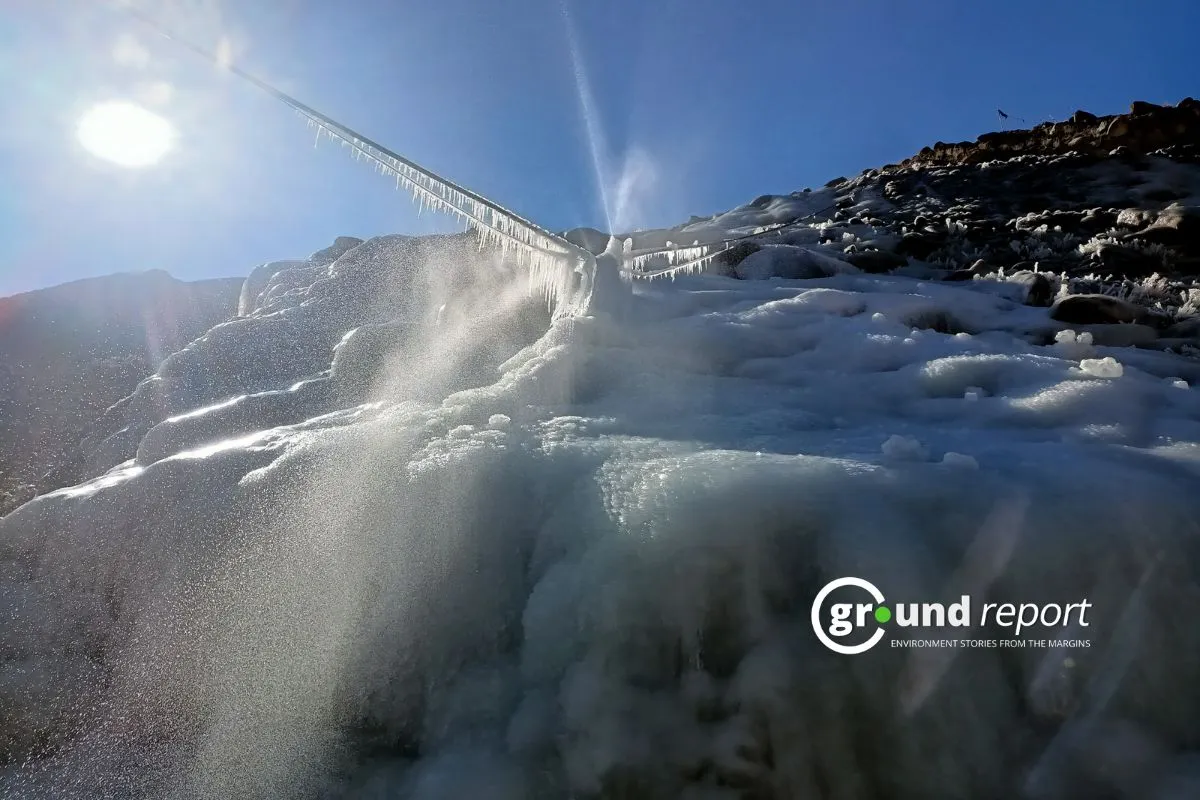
x=591 y=116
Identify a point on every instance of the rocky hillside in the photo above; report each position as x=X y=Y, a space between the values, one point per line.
x=1091 y=206
x=68 y=353
x=1146 y=129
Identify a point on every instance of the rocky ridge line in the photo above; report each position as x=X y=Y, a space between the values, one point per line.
x=1145 y=129
x=1095 y=217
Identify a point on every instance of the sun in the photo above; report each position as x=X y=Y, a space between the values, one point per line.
x=125 y=134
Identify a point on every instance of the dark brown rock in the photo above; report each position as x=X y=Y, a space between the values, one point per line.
x=1128 y=262
x=736 y=254
x=1038 y=289
x=876 y=261
x=1147 y=128
x=1132 y=335
x=1097 y=309
x=980 y=267
x=918 y=245
x=1186 y=328
x=1175 y=226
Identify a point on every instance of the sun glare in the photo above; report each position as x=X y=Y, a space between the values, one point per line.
x=125 y=134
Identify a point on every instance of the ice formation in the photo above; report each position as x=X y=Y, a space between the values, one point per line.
x=554 y=265
x=492 y=553
x=1107 y=367
x=396 y=532
x=549 y=257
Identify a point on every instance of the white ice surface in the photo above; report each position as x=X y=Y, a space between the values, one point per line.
x=594 y=571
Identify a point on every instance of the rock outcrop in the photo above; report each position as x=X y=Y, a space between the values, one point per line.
x=1089 y=206
x=1145 y=129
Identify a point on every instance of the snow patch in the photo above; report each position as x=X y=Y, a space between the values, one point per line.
x=960 y=461
x=904 y=448
x=1107 y=367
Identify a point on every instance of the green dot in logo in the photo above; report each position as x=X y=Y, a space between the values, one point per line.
x=883 y=614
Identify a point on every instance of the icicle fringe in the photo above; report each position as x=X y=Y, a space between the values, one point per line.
x=678 y=261
x=546 y=255
x=553 y=262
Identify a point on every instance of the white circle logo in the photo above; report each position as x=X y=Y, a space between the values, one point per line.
x=831 y=587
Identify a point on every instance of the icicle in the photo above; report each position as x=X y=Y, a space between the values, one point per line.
x=680 y=262
x=550 y=258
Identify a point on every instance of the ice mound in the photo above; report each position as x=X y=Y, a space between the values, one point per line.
x=586 y=568
x=904 y=448
x=1107 y=367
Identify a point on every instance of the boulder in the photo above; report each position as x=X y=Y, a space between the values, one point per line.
x=1185 y=328
x=1128 y=262
x=980 y=267
x=724 y=263
x=788 y=262
x=876 y=261
x=590 y=239
x=1175 y=226
x=1097 y=309
x=1039 y=291
x=1142 y=107
x=1135 y=217
x=918 y=245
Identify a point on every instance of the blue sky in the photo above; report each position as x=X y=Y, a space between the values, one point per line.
x=701 y=106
